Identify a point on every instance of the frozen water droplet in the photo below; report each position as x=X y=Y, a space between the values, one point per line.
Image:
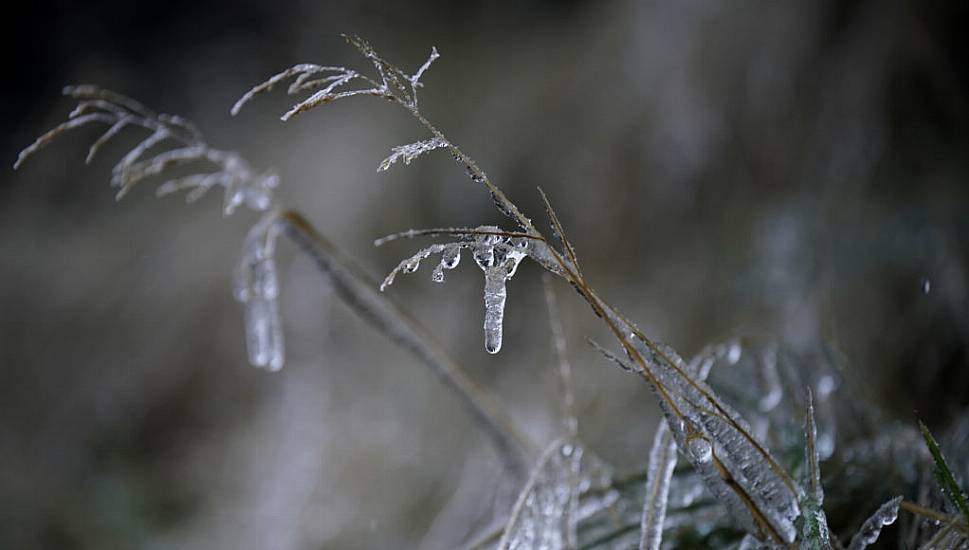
x=733 y=354
x=700 y=449
x=926 y=285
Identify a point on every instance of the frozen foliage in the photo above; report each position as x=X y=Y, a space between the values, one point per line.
x=544 y=515
x=257 y=288
x=872 y=528
x=329 y=83
x=409 y=152
x=548 y=509
x=814 y=525
x=180 y=144
x=738 y=470
x=497 y=253
x=735 y=493
x=662 y=461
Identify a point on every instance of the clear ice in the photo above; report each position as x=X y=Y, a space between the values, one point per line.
x=257 y=288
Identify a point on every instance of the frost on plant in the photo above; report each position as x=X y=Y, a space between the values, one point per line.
x=329 y=84
x=814 y=524
x=172 y=142
x=548 y=509
x=256 y=286
x=409 y=152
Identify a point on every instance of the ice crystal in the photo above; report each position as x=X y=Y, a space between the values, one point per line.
x=257 y=288
x=409 y=152
x=872 y=528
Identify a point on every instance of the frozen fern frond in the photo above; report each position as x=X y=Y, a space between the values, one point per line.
x=498 y=253
x=329 y=83
x=256 y=286
x=409 y=152
x=172 y=142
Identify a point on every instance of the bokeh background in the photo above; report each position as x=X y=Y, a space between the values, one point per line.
x=787 y=171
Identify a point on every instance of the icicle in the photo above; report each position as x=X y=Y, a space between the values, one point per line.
x=872 y=528
x=256 y=286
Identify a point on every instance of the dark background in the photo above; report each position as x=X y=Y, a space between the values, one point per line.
x=788 y=171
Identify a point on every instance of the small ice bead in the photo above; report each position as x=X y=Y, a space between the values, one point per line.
x=494 y=299
x=700 y=449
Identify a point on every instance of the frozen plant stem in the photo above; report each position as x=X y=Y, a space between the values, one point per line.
x=256 y=282
x=736 y=467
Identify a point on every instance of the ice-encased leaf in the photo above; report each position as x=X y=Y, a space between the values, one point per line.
x=737 y=469
x=872 y=528
x=256 y=286
x=814 y=524
x=662 y=461
x=409 y=152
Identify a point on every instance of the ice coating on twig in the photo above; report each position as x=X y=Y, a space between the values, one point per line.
x=872 y=528
x=662 y=462
x=328 y=84
x=409 y=152
x=738 y=469
x=497 y=253
x=257 y=288
x=180 y=144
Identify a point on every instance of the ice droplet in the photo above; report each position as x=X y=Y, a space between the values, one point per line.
x=700 y=449
x=926 y=285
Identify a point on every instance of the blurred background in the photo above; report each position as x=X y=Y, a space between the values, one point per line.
x=793 y=172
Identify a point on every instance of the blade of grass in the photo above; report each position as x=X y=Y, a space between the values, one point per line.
x=947 y=482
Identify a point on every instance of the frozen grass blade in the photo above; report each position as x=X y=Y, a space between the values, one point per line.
x=659 y=472
x=570 y=425
x=814 y=524
x=544 y=514
x=872 y=528
x=181 y=144
x=943 y=475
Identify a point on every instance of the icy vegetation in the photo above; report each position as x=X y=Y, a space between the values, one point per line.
x=753 y=422
x=257 y=288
